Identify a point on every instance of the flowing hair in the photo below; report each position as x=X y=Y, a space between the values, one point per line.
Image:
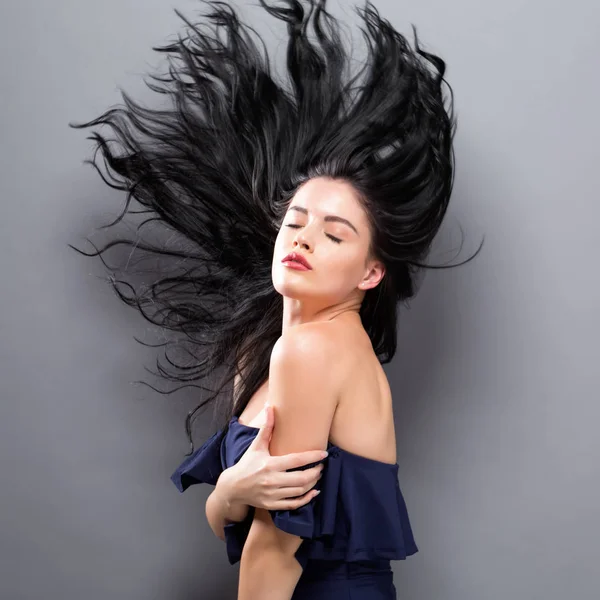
x=217 y=168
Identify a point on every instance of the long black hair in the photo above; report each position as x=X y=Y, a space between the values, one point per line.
x=218 y=166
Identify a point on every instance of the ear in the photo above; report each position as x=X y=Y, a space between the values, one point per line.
x=373 y=275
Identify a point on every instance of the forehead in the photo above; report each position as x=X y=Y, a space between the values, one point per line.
x=324 y=196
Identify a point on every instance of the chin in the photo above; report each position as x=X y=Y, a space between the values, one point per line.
x=288 y=285
x=288 y=288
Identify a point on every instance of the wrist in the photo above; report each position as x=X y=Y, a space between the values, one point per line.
x=234 y=508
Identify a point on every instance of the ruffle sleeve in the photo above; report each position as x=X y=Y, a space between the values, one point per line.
x=359 y=515
x=203 y=466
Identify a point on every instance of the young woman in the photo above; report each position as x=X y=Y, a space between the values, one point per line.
x=298 y=216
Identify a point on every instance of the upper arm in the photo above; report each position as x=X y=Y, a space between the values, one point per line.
x=303 y=390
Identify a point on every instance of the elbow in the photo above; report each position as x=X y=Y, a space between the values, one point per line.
x=217 y=530
x=215 y=523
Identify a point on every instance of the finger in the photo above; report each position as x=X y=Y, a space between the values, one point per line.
x=264 y=433
x=296 y=459
x=291 y=493
x=269 y=417
x=305 y=479
x=293 y=503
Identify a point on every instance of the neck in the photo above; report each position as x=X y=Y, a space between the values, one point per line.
x=297 y=312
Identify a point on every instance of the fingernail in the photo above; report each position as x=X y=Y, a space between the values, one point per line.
x=325 y=454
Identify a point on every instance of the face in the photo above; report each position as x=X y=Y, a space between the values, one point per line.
x=326 y=224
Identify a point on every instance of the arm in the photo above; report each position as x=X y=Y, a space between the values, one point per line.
x=221 y=509
x=303 y=392
x=262 y=481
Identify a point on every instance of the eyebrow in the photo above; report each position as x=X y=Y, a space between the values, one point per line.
x=327 y=217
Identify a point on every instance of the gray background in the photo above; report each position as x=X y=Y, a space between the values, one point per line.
x=496 y=377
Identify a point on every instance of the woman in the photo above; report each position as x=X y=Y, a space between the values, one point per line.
x=297 y=216
x=326 y=386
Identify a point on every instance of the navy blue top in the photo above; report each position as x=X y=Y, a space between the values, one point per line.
x=359 y=515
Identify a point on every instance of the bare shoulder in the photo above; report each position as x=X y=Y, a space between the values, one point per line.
x=313 y=348
x=304 y=389
x=306 y=339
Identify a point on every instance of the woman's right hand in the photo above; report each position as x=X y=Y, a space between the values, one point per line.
x=260 y=480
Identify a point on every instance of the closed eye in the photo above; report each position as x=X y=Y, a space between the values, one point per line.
x=331 y=237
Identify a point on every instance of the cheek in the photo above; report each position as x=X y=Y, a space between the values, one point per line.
x=343 y=269
x=280 y=241
x=281 y=247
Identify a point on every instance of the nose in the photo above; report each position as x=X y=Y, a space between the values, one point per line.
x=301 y=241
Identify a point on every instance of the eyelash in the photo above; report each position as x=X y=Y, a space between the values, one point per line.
x=331 y=237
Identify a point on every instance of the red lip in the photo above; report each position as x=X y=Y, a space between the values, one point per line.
x=297 y=258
